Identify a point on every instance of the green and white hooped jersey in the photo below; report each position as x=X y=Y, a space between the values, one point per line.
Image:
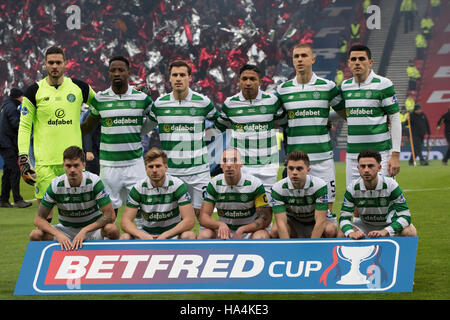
x=252 y=124
x=77 y=206
x=300 y=204
x=159 y=206
x=385 y=206
x=308 y=107
x=367 y=105
x=181 y=125
x=236 y=204
x=122 y=117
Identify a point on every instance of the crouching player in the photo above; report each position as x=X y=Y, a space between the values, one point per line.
x=163 y=202
x=241 y=203
x=300 y=202
x=382 y=208
x=84 y=208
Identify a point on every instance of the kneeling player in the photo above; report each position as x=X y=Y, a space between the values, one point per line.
x=85 y=209
x=240 y=200
x=163 y=202
x=382 y=208
x=300 y=202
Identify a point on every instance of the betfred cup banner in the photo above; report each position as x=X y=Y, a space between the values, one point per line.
x=296 y=265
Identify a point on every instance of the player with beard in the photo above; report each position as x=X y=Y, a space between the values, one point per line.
x=382 y=208
x=163 y=202
x=51 y=109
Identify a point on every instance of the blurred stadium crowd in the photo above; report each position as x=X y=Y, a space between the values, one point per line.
x=218 y=37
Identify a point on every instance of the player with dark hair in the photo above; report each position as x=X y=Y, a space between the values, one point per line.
x=122 y=111
x=181 y=116
x=163 y=202
x=300 y=202
x=51 y=108
x=382 y=208
x=370 y=104
x=251 y=114
x=84 y=207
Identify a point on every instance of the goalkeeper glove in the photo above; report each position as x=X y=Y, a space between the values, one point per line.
x=26 y=170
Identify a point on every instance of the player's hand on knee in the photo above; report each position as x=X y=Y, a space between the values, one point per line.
x=223 y=232
x=64 y=241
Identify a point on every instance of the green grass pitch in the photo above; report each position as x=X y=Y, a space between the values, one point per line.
x=427 y=190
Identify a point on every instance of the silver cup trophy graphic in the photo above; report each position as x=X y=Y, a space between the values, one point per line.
x=355 y=255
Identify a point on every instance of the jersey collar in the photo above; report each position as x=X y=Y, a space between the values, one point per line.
x=67 y=184
x=258 y=96
x=165 y=184
x=188 y=97
x=130 y=89
x=379 y=183
x=306 y=186
x=311 y=81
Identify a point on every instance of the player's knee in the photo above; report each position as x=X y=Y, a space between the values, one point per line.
x=261 y=234
x=190 y=235
x=206 y=234
x=125 y=236
x=111 y=231
x=331 y=230
x=340 y=234
x=36 y=235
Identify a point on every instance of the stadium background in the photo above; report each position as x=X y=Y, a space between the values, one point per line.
x=218 y=37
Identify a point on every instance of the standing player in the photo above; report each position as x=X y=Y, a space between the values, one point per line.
x=163 y=202
x=51 y=108
x=307 y=100
x=181 y=116
x=121 y=110
x=300 y=202
x=241 y=203
x=370 y=102
x=251 y=114
x=85 y=210
x=382 y=208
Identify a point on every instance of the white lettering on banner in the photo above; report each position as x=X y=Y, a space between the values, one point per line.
x=190 y=263
x=155 y=264
x=447 y=29
x=444 y=49
x=132 y=262
x=212 y=264
x=187 y=265
x=438 y=96
x=241 y=260
x=72 y=267
x=443 y=72
x=310 y=266
x=98 y=265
